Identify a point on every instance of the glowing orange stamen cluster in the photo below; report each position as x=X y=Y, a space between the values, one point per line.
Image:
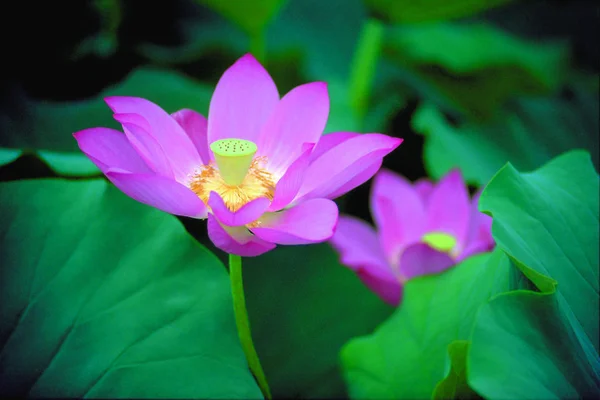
x=258 y=183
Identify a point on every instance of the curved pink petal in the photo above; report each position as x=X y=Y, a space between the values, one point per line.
x=480 y=224
x=424 y=187
x=299 y=118
x=389 y=290
x=338 y=166
x=145 y=144
x=359 y=247
x=242 y=102
x=398 y=212
x=310 y=222
x=329 y=141
x=449 y=208
x=479 y=237
x=475 y=247
x=420 y=259
x=196 y=127
x=108 y=148
x=249 y=212
x=287 y=187
x=358 y=179
x=159 y=192
x=175 y=143
x=236 y=240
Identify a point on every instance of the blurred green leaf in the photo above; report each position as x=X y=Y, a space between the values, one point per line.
x=428 y=10
x=406 y=356
x=312 y=38
x=104 y=43
x=47 y=127
x=251 y=16
x=9 y=155
x=527 y=133
x=104 y=297
x=303 y=307
x=520 y=349
x=472 y=68
x=547 y=222
x=454 y=385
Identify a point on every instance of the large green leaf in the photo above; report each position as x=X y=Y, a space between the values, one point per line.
x=472 y=68
x=303 y=307
x=47 y=127
x=454 y=385
x=522 y=349
x=103 y=297
x=407 y=356
x=527 y=133
x=547 y=221
x=428 y=10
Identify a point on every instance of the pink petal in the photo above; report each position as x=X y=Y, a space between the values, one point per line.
x=329 y=141
x=175 y=143
x=287 y=187
x=195 y=126
x=424 y=187
x=108 y=148
x=159 y=192
x=249 y=212
x=135 y=128
x=236 y=240
x=389 y=290
x=479 y=237
x=338 y=166
x=310 y=222
x=357 y=179
x=359 y=247
x=449 y=208
x=475 y=247
x=420 y=259
x=480 y=224
x=242 y=102
x=397 y=211
x=299 y=117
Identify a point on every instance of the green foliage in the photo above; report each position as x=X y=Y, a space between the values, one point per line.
x=303 y=307
x=473 y=68
x=406 y=356
x=527 y=133
x=523 y=343
x=104 y=43
x=104 y=297
x=550 y=341
x=428 y=10
x=454 y=385
x=47 y=127
x=251 y=16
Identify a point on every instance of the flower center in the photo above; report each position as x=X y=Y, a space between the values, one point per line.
x=440 y=241
x=238 y=177
x=233 y=157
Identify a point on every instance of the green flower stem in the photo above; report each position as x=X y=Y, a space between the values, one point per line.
x=258 y=46
x=243 y=325
x=364 y=63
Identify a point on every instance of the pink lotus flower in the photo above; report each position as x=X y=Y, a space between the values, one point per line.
x=422 y=229
x=258 y=168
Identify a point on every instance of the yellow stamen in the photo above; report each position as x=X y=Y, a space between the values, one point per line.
x=440 y=241
x=258 y=182
x=233 y=157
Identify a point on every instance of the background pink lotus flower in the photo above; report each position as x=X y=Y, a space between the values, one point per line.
x=422 y=228
x=259 y=168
